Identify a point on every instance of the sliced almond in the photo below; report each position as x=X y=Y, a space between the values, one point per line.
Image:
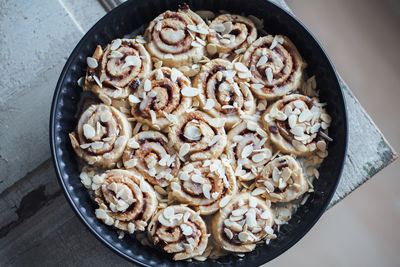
x=92 y=62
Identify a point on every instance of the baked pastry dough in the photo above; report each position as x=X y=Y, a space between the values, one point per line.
x=276 y=66
x=114 y=72
x=230 y=33
x=150 y=154
x=177 y=38
x=159 y=100
x=180 y=231
x=101 y=135
x=243 y=222
x=248 y=149
x=223 y=94
x=202 y=184
x=294 y=122
x=197 y=136
x=125 y=200
x=282 y=180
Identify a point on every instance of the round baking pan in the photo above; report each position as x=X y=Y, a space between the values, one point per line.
x=132 y=16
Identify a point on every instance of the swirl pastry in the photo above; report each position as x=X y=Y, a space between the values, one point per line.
x=231 y=33
x=243 y=222
x=101 y=135
x=180 y=231
x=248 y=150
x=150 y=154
x=282 y=180
x=198 y=136
x=202 y=184
x=125 y=200
x=223 y=94
x=276 y=66
x=177 y=38
x=294 y=122
x=112 y=73
x=159 y=99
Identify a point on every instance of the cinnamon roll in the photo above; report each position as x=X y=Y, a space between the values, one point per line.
x=161 y=98
x=276 y=66
x=180 y=231
x=112 y=73
x=282 y=180
x=243 y=222
x=296 y=123
x=125 y=200
x=248 y=149
x=197 y=136
x=150 y=154
x=101 y=135
x=202 y=184
x=177 y=38
x=231 y=33
x=223 y=93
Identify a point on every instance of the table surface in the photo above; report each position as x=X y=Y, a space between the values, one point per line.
x=37 y=226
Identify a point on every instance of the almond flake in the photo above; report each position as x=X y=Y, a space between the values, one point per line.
x=97 y=145
x=92 y=62
x=247 y=150
x=88 y=131
x=131 y=61
x=228 y=233
x=115 y=54
x=197 y=179
x=175 y=74
x=224 y=201
x=131 y=163
x=147 y=85
x=239 y=212
x=263 y=59
x=131 y=228
x=206 y=190
x=225 y=41
x=211 y=49
x=326 y=118
x=273 y=44
x=105 y=116
x=268 y=73
x=185 y=148
x=196 y=44
x=97 y=80
x=214 y=140
x=252 y=202
x=306 y=115
x=115 y=44
x=258 y=191
x=228 y=27
x=215 y=195
x=257 y=86
x=243 y=236
x=297 y=130
x=143 y=186
x=258 y=157
x=240 y=67
x=168 y=212
x=164 y=221
x=190 y=91
x=218 y=27
x=133 y=99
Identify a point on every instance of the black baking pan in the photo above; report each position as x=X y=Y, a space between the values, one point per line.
x=133 y=16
